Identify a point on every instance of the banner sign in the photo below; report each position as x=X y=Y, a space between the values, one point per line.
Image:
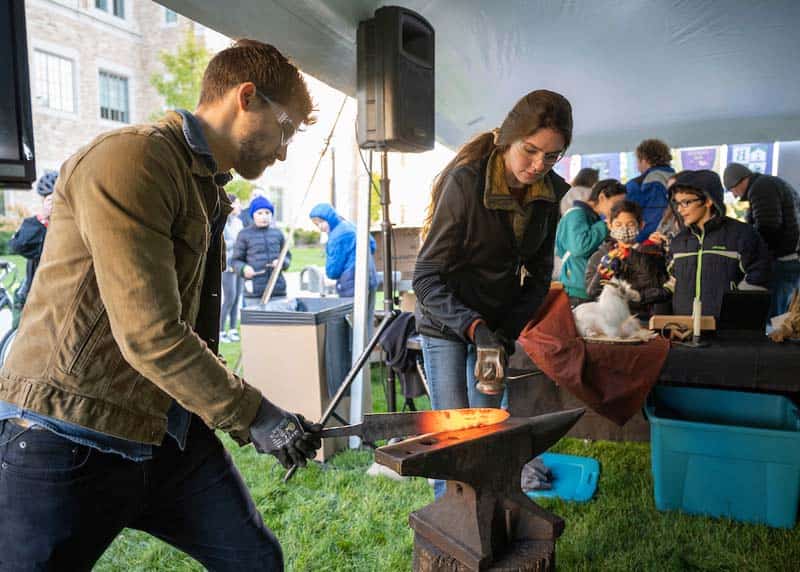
x=606 y=163
x=755 y=156
x=699 y=158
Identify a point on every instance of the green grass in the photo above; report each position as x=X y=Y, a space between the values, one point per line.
x=335 y=518
x=303 y=256
x=20 y=264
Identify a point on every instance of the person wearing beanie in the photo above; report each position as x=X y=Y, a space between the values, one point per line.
x=486 y=259
x=28 y=241
x=256 y=253
x=773 y=213
x=713 y=254
x=649 y=190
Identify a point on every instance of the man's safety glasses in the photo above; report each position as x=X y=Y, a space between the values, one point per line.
x=288 y=128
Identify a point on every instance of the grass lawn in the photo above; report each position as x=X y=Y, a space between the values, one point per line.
x=334 y=517
x=20 y=263
x=303 y=256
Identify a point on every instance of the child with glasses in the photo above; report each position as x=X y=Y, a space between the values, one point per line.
x=713 y=254
x=641 y=264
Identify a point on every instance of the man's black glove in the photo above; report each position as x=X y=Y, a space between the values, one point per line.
x=289 y=437
x=491 y=360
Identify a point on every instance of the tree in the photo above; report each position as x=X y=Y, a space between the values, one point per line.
x=375 y=199
x=241 y=188
x=180 y=84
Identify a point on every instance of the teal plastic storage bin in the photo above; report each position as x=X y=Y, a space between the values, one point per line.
x=725 y=453
x=574 y=478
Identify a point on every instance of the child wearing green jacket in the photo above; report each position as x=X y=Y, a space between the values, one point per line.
x=580 y=232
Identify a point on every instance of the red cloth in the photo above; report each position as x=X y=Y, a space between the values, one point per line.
x=612 y=379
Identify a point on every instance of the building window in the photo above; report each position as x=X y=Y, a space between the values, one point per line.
x=114 y=97
x=170 y=16
x=54 y=81
x=275 y=195
x=116 y=7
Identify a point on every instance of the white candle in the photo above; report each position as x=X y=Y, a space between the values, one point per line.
x=697 y=314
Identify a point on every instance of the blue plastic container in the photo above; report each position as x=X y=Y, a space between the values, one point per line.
x=574 y=478
x=725 y=453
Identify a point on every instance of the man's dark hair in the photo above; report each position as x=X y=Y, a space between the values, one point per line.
x=262 y=64
x=608 y=188
x=586 y=177
x=655 y=152
x=626 y=207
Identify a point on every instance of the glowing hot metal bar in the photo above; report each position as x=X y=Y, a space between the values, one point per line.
x=386 y=425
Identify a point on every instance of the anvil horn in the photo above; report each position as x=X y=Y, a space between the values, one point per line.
x=547 y=429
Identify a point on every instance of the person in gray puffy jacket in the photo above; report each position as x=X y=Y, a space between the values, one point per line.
x=256 y=252
x=231 y=280
x=774 y=213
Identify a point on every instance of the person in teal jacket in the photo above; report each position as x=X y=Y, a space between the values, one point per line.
x=579 y=234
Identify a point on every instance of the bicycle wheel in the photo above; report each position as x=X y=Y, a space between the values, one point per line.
x=5 y=345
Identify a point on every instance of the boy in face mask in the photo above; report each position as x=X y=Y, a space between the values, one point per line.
x=641 y=264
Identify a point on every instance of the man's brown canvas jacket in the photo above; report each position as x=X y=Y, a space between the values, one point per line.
x=108 y=337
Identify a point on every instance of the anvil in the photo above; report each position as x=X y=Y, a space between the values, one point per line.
x=484 y=521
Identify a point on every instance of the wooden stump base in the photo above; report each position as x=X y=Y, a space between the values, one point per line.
x=524 y=556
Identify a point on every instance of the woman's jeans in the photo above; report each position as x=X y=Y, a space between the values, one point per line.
x=450 y=369
x=785 y=279
x=231 y=292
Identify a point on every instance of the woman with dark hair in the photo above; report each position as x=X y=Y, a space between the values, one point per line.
x=580 y=232
x=487 y=253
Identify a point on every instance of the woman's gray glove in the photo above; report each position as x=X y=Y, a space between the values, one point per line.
x=289 y=437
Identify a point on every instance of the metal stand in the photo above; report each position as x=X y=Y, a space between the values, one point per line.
x=390 y=313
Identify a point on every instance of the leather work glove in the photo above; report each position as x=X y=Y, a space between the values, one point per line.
x=289 y=437
x=491 y=360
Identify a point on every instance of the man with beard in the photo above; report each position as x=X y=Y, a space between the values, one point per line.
x=112 y=391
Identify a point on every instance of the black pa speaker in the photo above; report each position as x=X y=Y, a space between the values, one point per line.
x=395 y=81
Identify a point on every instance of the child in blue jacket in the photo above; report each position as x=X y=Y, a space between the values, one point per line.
x=580 y=232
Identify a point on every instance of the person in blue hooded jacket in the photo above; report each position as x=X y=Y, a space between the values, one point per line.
x=340 y=252
x=649 y=190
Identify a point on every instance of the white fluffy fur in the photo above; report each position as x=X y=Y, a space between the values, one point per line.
x=610 y=316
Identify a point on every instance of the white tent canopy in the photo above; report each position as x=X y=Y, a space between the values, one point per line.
x=691 y=73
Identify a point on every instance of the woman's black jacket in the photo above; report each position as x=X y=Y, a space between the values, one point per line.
x=470 y=265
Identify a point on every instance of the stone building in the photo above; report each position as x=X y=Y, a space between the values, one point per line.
x=90 y=67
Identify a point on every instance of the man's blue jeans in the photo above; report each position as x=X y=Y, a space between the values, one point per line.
x=785 y=278
x=62 y=503
x=450 y=369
